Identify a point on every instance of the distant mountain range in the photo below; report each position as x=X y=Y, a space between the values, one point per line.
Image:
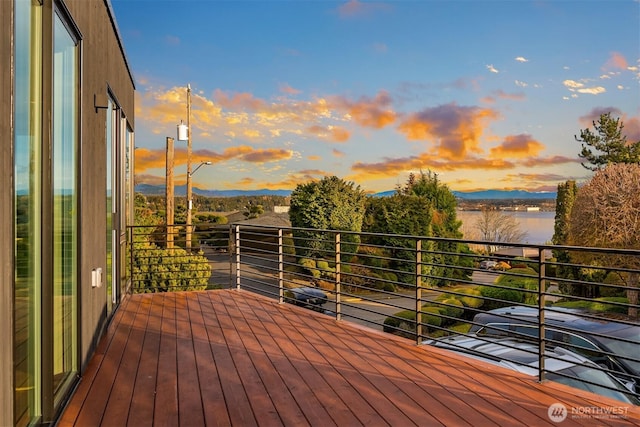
x=181 y=190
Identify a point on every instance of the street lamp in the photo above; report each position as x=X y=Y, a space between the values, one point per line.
x=189 y=201
x=199 y=166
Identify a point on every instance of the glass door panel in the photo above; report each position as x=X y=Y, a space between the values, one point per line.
x=27 y=194
x=65 y=206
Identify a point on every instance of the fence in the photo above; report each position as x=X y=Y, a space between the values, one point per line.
x=534 y=298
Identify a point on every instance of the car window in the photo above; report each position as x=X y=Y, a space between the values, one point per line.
x=495 y=329
x=603 y=383
x=578 y=341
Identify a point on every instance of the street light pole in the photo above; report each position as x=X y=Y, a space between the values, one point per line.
x=189 y=184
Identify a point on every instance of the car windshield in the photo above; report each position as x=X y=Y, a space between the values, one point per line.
x=603 y=385
x=625 y=349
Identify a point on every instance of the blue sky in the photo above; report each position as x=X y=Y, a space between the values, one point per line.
x=487 y=94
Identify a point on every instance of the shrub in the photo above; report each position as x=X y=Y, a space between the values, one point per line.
x=389 y=275
x=157 y=269
x=307 y=263
x=530 y=284
x=598 y=305
x=403 y=323
x=613 y=278
x=499 y=297
x=474 y=298
x=310 y=267
x=454 y=308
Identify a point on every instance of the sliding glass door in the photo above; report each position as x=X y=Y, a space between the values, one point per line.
x=65 y=205
x=28 y=207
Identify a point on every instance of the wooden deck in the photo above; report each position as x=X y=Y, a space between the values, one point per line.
x=227 y=357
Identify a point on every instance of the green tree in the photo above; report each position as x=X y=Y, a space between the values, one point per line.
x=565 y=198
x=444 y=223
x=328 y=204
x=423 y=207
x=441 y=199
x=605 y=214
x=607 y=144
x=389 y=218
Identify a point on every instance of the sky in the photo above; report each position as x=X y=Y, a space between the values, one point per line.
x=486 y=94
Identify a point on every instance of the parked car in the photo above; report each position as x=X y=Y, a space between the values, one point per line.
x=307 y=296
x=488 y=264
x=561 y=365
x=613 y=345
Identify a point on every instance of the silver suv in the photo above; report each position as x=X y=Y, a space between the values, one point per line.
x=562 y=366
x=611 y=345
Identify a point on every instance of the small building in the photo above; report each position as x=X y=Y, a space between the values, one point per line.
x=522 y=252
x=66 y=136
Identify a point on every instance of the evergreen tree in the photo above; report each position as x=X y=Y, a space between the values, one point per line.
x=607 y=145
x=565 y=198
x=423 y=207
x=328 y=204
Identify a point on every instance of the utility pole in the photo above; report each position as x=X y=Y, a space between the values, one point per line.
x=189 y=184
x=170 y=193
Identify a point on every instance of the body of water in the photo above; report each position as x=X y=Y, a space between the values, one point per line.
x=537 y=224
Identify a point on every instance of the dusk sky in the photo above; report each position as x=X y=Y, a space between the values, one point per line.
x=487 y=94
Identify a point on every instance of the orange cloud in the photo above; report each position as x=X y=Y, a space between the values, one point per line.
x=369 y=112
x=239 y=101
x=152 y=159
x=150 y=179
x=517 y=146
x=454 y=130
x=295 y=178
x=552 y=177
x=285 y=88
x=392 y=167
x=267 y=155
x=615 y=61
x=550 y=161
x=329 y=133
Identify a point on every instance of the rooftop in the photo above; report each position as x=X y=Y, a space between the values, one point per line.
x=228 y=357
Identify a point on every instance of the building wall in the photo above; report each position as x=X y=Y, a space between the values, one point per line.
x=104 y=70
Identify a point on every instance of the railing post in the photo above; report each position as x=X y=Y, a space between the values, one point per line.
x=418 y=291
x=280 y=268
x=338 y=280
x=131 y=264
x=541 y=321
x=237 y=257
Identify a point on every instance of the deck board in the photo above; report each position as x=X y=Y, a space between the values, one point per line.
x=232 y=358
